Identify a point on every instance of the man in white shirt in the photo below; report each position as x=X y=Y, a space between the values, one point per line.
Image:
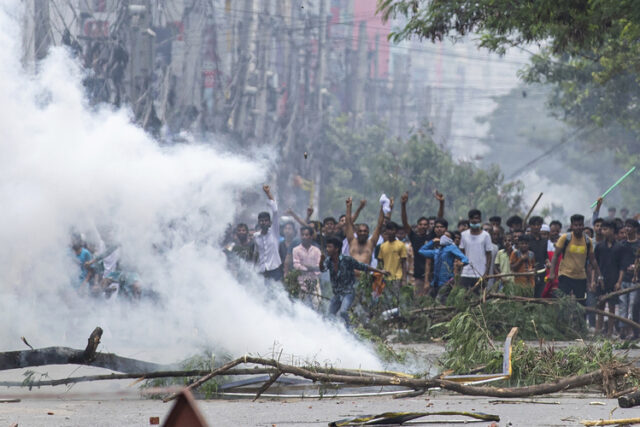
x=306 y=259
x=268 y=240
x=476 y=244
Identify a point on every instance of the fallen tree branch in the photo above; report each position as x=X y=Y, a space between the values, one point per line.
x=133 y=376
x=399 y=418
x=562 y=384
x=216 y=372
x=266 y=385
x=605 y=297
x=614 y=316
x=621 y=421
x=492 y=295
x=66 y=355
x=53 y=355
x=518 y=298
x=501 y=275
x=182 y=373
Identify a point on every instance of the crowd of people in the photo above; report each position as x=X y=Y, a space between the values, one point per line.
x=527 y=256
x=328 y=259
x=102 y=273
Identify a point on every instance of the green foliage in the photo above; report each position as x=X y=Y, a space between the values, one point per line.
x=468 y=345
x=471 y=346
x=591 y=57
x=565 y=25
x=205 y=361
x=532 y=365
x=366 y=163
x=32 y=377
x=561 y=321
x=291 y=284
x=368 y=312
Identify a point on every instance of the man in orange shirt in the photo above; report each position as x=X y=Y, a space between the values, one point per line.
x=523 y=261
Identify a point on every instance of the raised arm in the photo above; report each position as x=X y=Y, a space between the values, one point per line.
x=267 y=190
x=309 y=213
x=275 y=217
x=405 y=220
x=388 y=217
x=440 y=198
x=363 y=203
x=349 y=221
x=297 y=218
x=596 y=211
x=376 y=232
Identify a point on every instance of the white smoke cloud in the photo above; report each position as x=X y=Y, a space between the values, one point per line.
x=66 y=165
x=574 y=199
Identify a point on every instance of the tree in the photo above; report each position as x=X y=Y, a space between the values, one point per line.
x=367 y=163
x=590 y=57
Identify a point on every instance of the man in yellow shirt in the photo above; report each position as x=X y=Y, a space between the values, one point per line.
x=393 y=255
x=576 y=249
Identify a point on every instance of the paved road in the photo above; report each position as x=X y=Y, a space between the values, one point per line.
x=130 y=412
x=117 y=403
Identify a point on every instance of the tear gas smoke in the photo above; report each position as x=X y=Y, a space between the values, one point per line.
x=67 y=166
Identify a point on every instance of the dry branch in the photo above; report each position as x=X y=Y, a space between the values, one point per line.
x=134 y=376
x=339 y=376
x=614 y=316
x=266 y=385
x=66 y=355
x=605 y=297
x=521 y=299
x=621 y=421
x=563 y=384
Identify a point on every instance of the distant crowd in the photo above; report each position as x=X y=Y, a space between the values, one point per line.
x=327 y=259
x=527 y=256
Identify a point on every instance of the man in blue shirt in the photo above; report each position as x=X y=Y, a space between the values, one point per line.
x=343 y=279
x=82 y=256
x=443 y=253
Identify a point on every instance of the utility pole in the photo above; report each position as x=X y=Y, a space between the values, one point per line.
x=360 y=75
x=238 y=97
x=141 y=54
x=264 y=54
x=319 y=107
x=321 y=63
x=42 y=29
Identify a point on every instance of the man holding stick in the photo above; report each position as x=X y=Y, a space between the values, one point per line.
x=607 y=256
x=628 y=252
x=576 y=249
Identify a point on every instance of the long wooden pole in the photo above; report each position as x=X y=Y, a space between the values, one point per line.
x=531 y=210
